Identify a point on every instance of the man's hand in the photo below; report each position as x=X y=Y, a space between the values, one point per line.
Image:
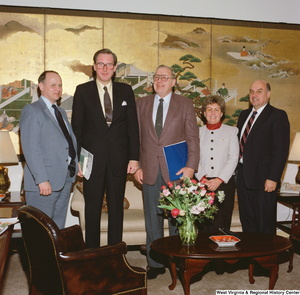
x=80 y=173
x=139 y=176
x=132 y=167
x=270 y=186
x=189 y=172
x=45 y=188
x=213 y=184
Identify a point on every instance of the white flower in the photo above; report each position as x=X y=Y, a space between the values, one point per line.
x=192 y=189
x=194 y=210
x=221 y=196
x=182 y=213
x=182 y=191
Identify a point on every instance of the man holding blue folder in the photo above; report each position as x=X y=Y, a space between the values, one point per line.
x=165 y=118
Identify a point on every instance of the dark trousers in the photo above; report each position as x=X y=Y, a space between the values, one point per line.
x=257 y=208
x=224 y=214
x=94 y=189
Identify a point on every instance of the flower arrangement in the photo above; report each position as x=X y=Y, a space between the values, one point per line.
x=190 y=202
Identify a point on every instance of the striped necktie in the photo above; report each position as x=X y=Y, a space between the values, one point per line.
x=246 y=133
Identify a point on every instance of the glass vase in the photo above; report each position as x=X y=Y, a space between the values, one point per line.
x=188 y=233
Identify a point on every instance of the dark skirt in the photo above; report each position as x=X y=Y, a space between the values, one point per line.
x=223 y=216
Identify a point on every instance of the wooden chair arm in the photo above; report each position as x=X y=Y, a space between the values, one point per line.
x=94 y=253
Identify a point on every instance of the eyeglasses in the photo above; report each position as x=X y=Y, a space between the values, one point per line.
x=101 y=65
x=163 y=78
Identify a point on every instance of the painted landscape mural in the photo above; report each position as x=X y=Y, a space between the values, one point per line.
x=208 y=56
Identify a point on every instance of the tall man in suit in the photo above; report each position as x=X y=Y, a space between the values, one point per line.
x=178 y=123
x=263 y=154
x=105 y=123
x=49 y=149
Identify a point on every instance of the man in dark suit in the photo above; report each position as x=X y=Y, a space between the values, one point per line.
x=263 y=154
x=178 y=123
x=50 y=154
x=105 y=123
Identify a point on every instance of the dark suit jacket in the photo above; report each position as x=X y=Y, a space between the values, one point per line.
x=267 y=146
x=120 y=141
x=45 y=147
x=180 y=125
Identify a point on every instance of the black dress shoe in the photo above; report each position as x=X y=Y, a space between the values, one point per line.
x=153 y=272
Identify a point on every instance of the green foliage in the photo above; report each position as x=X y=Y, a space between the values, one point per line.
x=177 y=68
x=193 y=95
x=188 y=76
x=231 y=122
x=198 y=83
x=237 y=113
x=245 y=98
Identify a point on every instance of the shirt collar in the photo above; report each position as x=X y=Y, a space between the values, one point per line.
x=109 y=85
x=259 y=110
x=166 y=99
x=47 y=102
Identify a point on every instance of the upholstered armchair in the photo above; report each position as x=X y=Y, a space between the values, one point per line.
x=60 y=263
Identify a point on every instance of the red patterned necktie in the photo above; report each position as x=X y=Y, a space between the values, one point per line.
x=246 y=133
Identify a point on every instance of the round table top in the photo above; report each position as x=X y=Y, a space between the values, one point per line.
x=250 y=245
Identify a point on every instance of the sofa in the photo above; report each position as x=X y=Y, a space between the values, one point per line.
x=134 y=232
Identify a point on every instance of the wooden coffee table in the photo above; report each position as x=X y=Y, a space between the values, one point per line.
x=191 y=260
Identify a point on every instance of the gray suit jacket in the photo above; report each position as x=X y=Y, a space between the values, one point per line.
x=45 y=147
x=180 y=124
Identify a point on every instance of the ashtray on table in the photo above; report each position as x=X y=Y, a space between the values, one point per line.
x=225 y=241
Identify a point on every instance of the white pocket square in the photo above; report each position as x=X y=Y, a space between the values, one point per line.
x=124 y=103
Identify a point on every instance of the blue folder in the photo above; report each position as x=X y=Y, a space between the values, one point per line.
x=176 y=157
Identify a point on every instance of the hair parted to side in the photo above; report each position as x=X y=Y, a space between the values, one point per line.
x=164 y=66
x=105 y=51
x=42 y=79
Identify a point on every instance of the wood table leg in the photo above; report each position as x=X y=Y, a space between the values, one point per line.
x=173 y=273
x=188 y=268
x=271 y=263
x=251 y=268
x=291 y=251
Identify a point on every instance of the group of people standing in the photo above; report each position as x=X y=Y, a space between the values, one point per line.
x=128 y=137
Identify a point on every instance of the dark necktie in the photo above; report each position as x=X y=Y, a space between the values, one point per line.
x=107 y=106
x=246 y=133
x=159 y=118
x=65 y=131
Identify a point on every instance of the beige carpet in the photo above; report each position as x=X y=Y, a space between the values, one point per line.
x=15 y=281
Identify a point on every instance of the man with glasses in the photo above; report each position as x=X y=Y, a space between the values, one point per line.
x=105 y=123
x=164 y=118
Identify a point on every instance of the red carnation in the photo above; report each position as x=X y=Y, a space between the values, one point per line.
x=175 y=212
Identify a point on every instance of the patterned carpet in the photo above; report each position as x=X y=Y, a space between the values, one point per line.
x=235 y=278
